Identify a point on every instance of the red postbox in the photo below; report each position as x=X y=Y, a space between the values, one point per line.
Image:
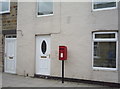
x=62 y=53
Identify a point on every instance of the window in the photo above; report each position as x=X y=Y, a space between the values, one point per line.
x=4 y=6
x=45 y=7
x=104 y=4
x=44 y=47
x=105 y=50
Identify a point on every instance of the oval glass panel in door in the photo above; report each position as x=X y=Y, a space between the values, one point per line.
x=44 y=47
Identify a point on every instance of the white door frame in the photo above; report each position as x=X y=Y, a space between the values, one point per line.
x=13 y=37
x=39 y=40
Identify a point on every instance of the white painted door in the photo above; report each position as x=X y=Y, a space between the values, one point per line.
x=43 y=55
x=10 y=55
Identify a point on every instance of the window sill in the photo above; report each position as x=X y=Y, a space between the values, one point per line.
x=104 y=9
x=45 y=15
x=104 y=69
x=5 y=12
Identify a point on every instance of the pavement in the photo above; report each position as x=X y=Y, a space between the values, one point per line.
x=9 y=80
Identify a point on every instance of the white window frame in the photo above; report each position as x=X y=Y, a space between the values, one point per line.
x=8 y=11
x=105 y=40
x=47 y=14
x=107 y=8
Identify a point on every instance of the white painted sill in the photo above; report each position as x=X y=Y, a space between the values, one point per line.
x=4 y=12
x=45 y=15
x=104 y=69
x=104 y=9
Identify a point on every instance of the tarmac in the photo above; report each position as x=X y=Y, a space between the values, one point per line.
x=9 y=80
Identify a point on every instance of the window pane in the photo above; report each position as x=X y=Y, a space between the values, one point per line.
x=105 y=35
x=44 y=7
x=4 y=5
x=44 y=47
x=105 y=54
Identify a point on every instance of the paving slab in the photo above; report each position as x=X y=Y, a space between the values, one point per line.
x=9 y=80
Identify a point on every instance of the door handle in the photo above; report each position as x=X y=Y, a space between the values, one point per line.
x=49 y=55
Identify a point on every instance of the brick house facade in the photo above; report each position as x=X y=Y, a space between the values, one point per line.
x=9 y=25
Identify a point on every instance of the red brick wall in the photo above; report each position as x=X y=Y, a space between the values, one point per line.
x=9 y=21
